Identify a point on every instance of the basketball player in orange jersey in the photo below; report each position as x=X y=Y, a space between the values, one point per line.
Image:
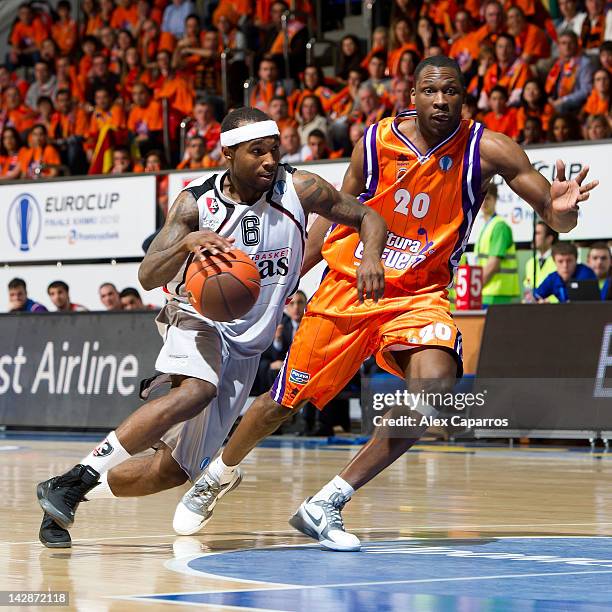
x=426 y=172
x=259 y=206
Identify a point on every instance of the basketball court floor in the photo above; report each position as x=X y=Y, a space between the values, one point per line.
x=446 y=528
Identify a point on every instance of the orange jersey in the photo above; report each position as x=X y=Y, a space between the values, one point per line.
x=429 y=201
x=65 y=35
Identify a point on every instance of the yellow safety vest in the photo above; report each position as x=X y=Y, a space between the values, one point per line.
x=506 y=281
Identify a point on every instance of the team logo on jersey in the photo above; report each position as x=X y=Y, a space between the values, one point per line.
x=280 y=187
x=212 y=205
x=446 y=163
x=299 y=378
x=103 y=450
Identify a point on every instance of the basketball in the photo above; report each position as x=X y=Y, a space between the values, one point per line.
x=223 y=287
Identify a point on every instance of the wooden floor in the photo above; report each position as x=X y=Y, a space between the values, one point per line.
x=123 y=547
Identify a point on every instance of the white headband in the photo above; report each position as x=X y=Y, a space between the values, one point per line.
x=250 y=131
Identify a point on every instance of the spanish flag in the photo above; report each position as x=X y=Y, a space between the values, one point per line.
x=102 y=158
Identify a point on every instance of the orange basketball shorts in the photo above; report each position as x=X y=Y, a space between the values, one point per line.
x=337 y=334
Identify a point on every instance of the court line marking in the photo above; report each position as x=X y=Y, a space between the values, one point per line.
x=361 y=530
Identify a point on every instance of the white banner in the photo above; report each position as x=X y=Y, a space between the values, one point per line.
x=80 y=219
x=595 y=217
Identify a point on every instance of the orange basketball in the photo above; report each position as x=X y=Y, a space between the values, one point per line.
x=223 y=287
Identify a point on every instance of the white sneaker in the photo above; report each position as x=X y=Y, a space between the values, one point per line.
x=196 y=507
x=322 y=521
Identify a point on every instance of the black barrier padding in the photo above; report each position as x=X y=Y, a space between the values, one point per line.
x=74 y=370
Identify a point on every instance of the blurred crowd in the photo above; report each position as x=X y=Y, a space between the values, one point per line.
x=109 y=89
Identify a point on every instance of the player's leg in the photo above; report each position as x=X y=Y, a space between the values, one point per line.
x=192 y=353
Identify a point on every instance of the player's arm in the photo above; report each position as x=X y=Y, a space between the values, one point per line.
x=353 y=184
x=318 y=196
x=175 y=241
x=556 y=204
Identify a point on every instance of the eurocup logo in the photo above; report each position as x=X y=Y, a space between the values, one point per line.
x=446 y=163
x=24 y=222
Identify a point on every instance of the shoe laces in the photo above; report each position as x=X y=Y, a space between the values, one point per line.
x=75 y=489
x=332 y=509
x=206 y=490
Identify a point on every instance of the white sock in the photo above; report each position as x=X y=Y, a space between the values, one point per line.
x=103 y=490
x=107 y=454
x=333 y=486
x=220 y=472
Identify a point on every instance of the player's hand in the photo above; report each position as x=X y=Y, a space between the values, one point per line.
x=566 y=195
x=370 y=279
x=205 y=242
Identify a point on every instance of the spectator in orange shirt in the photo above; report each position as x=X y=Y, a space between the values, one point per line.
x=319 y=148
x=10 y=146
x=10 y=79
x=44 y=110
x=564 y=128
x=194 y=155
x=68 y=131
x=125 y=16
x=461 y=46
x=534 y=104
x=110 y=48
x=427 y=37
x=501 y=118
x=64 y=30
x=531 y=42
x=486 y=58
x=105 y=113
x=312 y=85
x=469 y=109
x=494 y=25
x=597 y=26
x=268 y=85
x=122 y=161
x=40 y=158
x=532 y=132
x=100 y=76
x=131 y=73
x=155 y=162
x=89 y=47
x=278 y=109
x=25 y=38
x=345 y=102
x=598 y=102
x=67 y=78
x=406 y=67
x=509 y=71
x=17 y=114
x=380 y=44
x=149 y=42
x=605 y=56
x=402 y=39
x=350 y=57
x=186 y=54
x=597 y=128
x=204 y=125
x=145 y=119
x=371 y=108
x=91 y=19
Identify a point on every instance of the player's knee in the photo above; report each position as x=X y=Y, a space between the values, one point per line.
x=192 y=397
x=171 y=475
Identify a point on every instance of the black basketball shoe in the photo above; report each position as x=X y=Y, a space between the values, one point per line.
x=60 y=496
x=52 y=535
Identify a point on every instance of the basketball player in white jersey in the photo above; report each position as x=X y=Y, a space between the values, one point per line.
x=261 y=207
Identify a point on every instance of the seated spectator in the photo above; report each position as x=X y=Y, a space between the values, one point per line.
x=564 y=128
x=402 y=40
x=600 y=261
x=25 y=38
x=16 y=113
x=104 y=116
x=469 y=109
x=278 y=109
x=91 y=20
x=356 y=133
x=406 y=66
x=10 y=79
x=150 y=43
x=145 y=119
x=598 y=102
x=493 y=26
x=18 y=298
x=569 y=81
x=109 y=296
x=68 y=79
x=174 y=17
x=461 y=46
x=131 y=73
x=565 y=256
x=534 y=104
x=427 y=38
x=597 y=128
x=59 y=294
x=532 y=132
x=350 y=56
x=372 y=108
x=122 y=161
x=571 y=18
x=155 y=162
x=45 y=84
x=10 y=147
x=509 y=71
x=131 y=300
x=268 y=86
x=195 y=155
x=346 y=102
x=100 y=77
x=231 y=36
x=40 y=158
x=486 y=58
x=543 y=264
x=168 y=83
x=605 y=56
x=400 y=96
x=311 y=116
x=376 y=74
x=89 y=48
x=319 y=149
x=597 y=26
x=312 y=85
x=293 y=152
x=44 y=108
x=531 y=42
x=187 y=52
x=49 y=52
x=125 y=16
x=501 y=118
x=204 y=125
x=64 y=30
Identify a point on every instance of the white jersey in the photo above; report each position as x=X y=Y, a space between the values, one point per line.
x=272 y=233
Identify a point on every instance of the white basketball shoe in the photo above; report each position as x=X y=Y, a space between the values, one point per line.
x=321 y=520
x=196 y=507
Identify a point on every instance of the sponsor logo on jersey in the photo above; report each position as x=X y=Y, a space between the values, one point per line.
x=446 y=163
x=299 y=378
x=401 y=252
x=212 y=205
x=273 y=265
x=103 y=450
